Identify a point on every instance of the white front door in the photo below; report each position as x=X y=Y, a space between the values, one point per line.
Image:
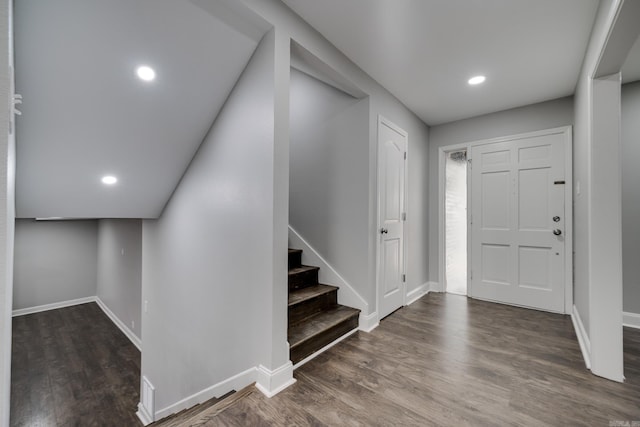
x=518 y=222
x=392 y=143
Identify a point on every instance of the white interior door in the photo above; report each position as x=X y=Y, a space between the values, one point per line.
x=392 y=143
x=518 y=222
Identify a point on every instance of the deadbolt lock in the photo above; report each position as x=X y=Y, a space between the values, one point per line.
x=556 y=219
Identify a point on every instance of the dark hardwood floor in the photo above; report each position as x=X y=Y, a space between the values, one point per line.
x=73 y=367
x=447 y=360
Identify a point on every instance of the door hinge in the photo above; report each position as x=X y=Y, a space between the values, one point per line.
x=404 y=216
x=404 y=277
x=405 y=155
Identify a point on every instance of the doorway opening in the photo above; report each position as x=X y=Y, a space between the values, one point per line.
x=455 y=205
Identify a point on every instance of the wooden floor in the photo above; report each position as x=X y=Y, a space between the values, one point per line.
x=73 y=367
x=444 y=360
x=449 y=361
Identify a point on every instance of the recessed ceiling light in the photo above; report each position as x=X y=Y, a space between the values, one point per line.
x=146 y=73
x=477 y=80
x=109 y=180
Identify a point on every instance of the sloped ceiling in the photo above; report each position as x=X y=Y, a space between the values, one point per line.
x=86 y=114
x=424 y=51
x=631 y=67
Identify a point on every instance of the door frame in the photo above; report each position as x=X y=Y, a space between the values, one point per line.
x=567 y=131
x=384 y=121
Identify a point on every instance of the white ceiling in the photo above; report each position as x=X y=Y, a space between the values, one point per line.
x=86 y=114
x=424 y=51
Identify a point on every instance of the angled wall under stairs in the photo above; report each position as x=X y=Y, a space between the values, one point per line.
x=315 y=317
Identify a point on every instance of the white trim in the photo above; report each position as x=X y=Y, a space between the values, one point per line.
x=347 y=295
x=236 y=382
x=119 y=323
x=143 y=415
x=631 y=320
x=52 y=306
x=583 y=338
x=323 y=349
x=436 y=287
x=273 y=382
x=418 y=293
x=368 y=322
x=568 y=221
x=147 y=401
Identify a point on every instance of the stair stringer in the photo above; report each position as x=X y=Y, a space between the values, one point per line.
x=347 y=295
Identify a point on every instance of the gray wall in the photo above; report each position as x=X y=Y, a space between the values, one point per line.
x=119 y=275
x=212 y=264
x=55 y=261
x=544 y=115
x=631 y=196
x=582 y=165
x=329 y=176
x=206 y=260
x=381 y=102
x=7 y=206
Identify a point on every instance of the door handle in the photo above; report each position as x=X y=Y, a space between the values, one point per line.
x=557 y=232
x=383 y=231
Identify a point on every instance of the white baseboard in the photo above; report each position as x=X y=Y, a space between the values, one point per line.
x=435 y=287
x=323 y=349
x=143 y=415
x=631 y=320
x=273 y=382
x=147 y=401
x=367 y=323
x=583 y=338
x=236 y=382
x=52 y=306
x=347 y=295
x=120 y=324
x=418 y=293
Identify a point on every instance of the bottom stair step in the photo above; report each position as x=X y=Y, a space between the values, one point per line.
x=180 y=419
x=317 y=331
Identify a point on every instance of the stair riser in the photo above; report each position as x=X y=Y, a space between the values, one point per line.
x=306 y=348
x=295 y=259
x=304 y=309
x=302 y=279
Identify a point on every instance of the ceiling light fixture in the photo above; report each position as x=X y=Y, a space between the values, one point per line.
x=477 y=80
x=146 y=73
x=109 y=180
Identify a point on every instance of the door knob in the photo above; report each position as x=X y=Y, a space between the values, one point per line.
x=557 y=232
x=383 y=231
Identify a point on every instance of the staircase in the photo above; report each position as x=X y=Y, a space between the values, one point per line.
x=315 y=317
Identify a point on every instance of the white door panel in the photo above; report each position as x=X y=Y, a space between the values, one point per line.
x=391 y=181
x=517 y=190
x=392 y=258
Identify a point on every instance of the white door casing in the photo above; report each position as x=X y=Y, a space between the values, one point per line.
x=392 y=148
x=517 y=203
